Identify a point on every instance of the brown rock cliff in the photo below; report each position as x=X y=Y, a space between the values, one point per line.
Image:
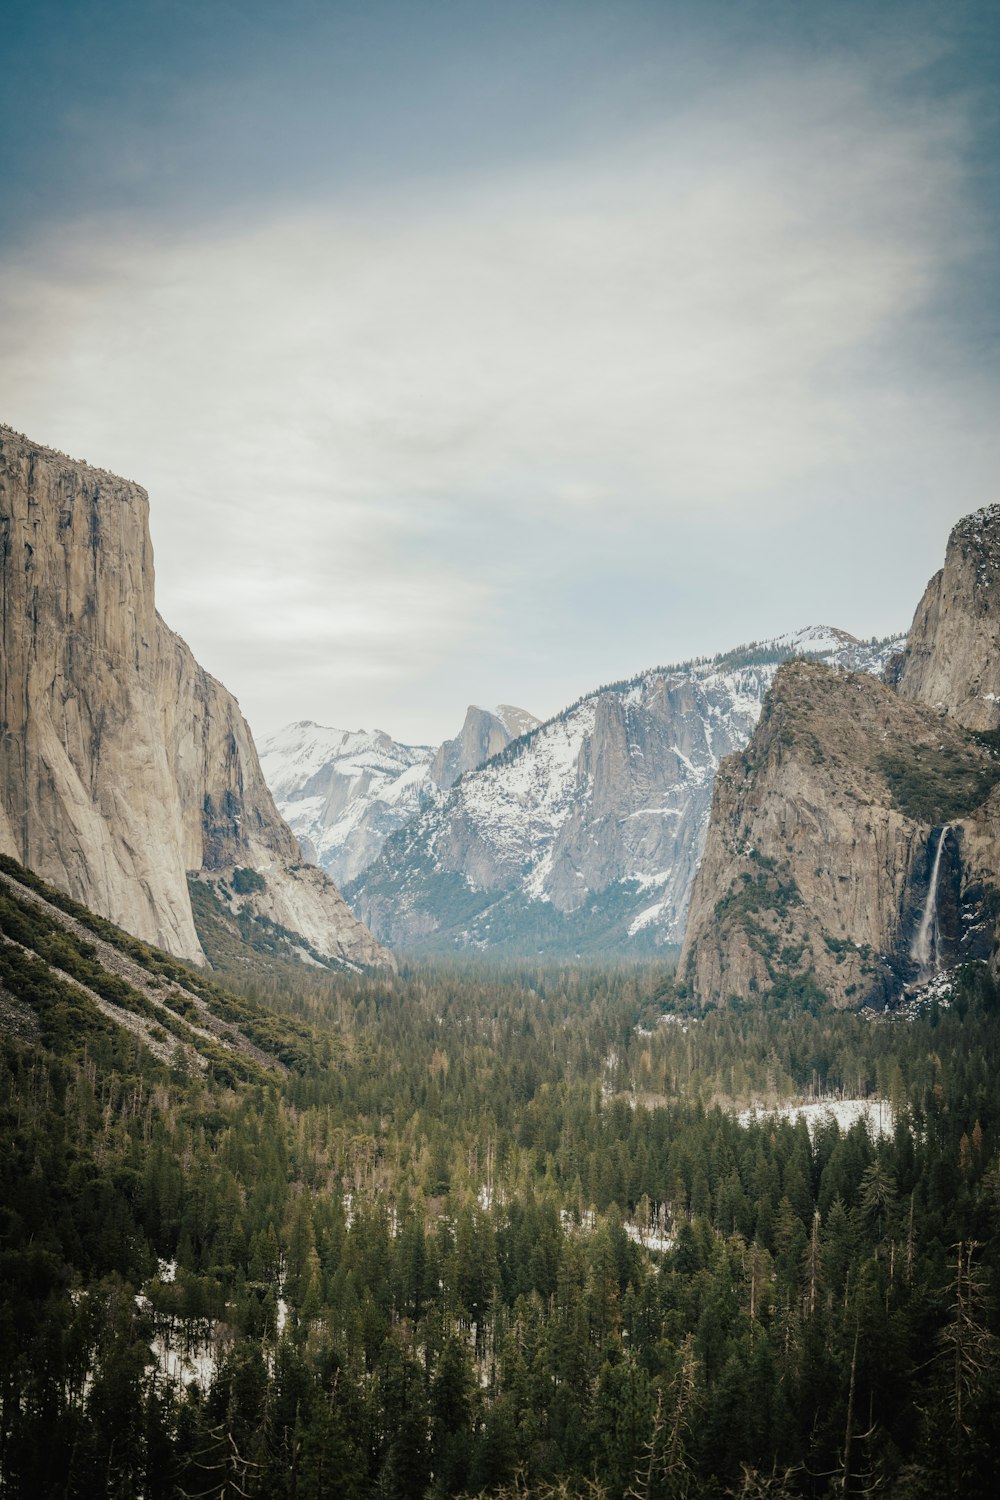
x=123 y=764
x=821 y=844
x=952 y=657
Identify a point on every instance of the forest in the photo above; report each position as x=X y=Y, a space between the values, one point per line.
x=490 y=1230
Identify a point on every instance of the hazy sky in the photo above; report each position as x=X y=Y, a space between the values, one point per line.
x=487 y=352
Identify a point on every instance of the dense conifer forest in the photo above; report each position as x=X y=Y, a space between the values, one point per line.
x=488 y=1230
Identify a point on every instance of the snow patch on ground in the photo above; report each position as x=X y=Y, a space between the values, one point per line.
x=918 y=998
x=649 y=1239
x=645 y=918
x=876 y=1114
x=185 y=1357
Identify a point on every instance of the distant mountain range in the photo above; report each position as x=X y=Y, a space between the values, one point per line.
x=344 y=792
x=578 y=836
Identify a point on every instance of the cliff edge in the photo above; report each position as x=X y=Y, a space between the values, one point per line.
x=952 y=655
x=822 y=845
x=123 y=764
x=853 y=849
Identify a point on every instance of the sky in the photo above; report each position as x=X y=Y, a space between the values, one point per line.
x=482 y=352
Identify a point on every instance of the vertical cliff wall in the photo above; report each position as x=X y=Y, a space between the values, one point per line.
x=485 y=733
x=952 y=656
x=821 y=845
x=856 y=811
x=123 y=764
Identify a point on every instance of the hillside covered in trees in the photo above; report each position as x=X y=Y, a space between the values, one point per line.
x=492 y=1231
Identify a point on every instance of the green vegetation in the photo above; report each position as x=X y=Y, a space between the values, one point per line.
x=937 y=785
x=757 y=893
x=244 y=943
x=150 y=958
x=287 y=1042
x=505 y=920
x=246 y=881
x=769 y=896
x=443 y=1194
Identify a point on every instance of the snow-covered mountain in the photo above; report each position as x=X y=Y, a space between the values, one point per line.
x=343 y=792
x=584 y=834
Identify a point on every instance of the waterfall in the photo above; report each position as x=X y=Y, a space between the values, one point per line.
x=924 y=948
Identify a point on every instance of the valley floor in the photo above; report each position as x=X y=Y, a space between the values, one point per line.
x=476 y=1230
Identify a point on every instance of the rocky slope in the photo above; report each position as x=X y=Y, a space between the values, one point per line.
x=854 y=846
x=585 y=834
x=123 y=764
x=344 y=792
x=170 y=1010
x=822 y=843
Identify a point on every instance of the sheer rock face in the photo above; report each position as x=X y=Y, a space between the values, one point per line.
x=952 y=658
x=822 y=843
x=485 y=733
x=859 y=807
x=122 y=763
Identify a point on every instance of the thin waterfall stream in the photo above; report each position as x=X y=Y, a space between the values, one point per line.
x=924 y=948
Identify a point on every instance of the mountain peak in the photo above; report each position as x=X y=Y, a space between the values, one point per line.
x=587 y=838
x=951 y=660
x=485 y=732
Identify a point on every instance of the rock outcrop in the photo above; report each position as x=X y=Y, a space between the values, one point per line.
x=854 y=847
x=485 y=733
x=123 y=764
x=952 y=657
x=584 y=835
x=822 y=842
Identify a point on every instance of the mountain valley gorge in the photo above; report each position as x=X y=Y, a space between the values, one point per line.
x=515 y=1216
x=582 y=837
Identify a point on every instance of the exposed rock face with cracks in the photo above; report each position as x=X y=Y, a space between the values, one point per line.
x=123 y=764
x=854 y=846
x=952 y=656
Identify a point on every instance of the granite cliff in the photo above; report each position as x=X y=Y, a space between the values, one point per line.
x=853 y=847
x=123 y=764
x=485 y=733
x=952 y=656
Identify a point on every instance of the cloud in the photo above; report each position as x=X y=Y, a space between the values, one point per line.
x=382 y=430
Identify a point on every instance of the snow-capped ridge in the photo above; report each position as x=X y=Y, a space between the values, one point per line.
x=564 y=830
x=343 y=792
x=812 y=640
